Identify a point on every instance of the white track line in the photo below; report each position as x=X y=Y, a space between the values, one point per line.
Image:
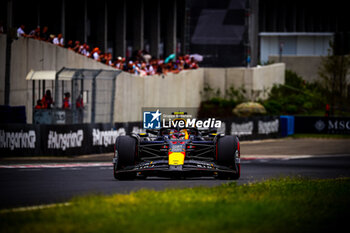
x=30 y=208
x=57 y=165
x=271 y=157
x=109 y=164
x=289 y=157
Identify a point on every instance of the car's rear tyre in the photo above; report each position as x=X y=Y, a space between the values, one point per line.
x=126 y=151
x=226 y=156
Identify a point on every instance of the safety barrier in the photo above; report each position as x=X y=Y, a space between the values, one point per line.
x=287 y=125
x=251 y=128
x=322 y=125
x=78 y=139
x=12 y=115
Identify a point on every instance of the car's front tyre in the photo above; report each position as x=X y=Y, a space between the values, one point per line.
x=125 y=155
x=228 y=153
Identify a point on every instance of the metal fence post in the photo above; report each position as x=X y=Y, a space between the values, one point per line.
x=93 y=103
x=112 y=102
x=113 y=96
x=56 y=86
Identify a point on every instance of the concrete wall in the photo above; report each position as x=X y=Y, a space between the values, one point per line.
x=2 y=67
x=132 y=92
x=305 y=66
x=264 y=77
x=30 y=54
x=256 y=81
x=171 y=90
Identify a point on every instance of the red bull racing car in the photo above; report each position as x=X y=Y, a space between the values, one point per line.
x=177 y=153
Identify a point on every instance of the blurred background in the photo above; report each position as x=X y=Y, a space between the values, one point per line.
x=102 y=61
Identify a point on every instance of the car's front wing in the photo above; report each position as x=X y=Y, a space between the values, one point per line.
x=189 y=168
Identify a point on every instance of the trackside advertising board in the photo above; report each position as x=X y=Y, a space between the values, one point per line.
x=322 y=125
x=20 y=139
x=79 y=139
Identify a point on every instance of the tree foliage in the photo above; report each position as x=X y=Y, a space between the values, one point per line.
x=333 y=72
x=296 y=96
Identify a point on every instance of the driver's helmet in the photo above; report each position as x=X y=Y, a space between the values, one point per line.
x=184 y=134
x=171 y=133
x=175 y=134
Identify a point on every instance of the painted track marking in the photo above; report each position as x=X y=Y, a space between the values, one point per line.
x=31 y=208
x=57 y=165
x=108 y=165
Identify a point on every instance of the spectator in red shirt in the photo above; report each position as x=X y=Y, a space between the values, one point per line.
x=79 y=102
x=193 y=64
x=66 y=102
x=77 y=46
x=47 y=100
x=108 y=58
x=38 y=104
x=70 y=45
x=44 y=34
x=80 y=107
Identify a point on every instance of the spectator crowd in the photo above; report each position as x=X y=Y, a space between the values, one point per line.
x=140 y=63
x=46 y=102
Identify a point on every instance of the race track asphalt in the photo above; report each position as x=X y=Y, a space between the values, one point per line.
x=35 y=185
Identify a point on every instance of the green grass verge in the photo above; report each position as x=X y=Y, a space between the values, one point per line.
x=334 y=136
x=283 y=205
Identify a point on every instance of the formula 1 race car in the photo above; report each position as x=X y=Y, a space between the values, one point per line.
x=177 y=153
